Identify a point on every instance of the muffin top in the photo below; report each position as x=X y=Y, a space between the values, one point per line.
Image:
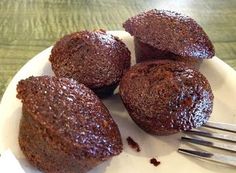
x=167 y=94
x=94 y=58
x=171 y=31
x=72 y=112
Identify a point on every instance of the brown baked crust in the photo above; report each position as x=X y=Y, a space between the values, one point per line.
x=145 y=52
x=96 y=59
x=165 y=96
x=172 y=32
x=65 y=127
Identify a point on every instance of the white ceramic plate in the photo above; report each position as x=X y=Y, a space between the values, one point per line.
x=222 y=79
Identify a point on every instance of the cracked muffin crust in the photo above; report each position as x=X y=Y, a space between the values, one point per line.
x=170 y=35
x=164 y=97
x=95 y=58
x=64 y=126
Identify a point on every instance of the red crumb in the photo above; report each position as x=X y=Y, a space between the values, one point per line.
x=133 y=144
x=154 y=162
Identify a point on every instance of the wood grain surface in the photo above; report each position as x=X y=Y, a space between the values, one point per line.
x=29 y=26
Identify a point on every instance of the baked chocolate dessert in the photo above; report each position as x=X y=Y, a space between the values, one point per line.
x=65 y=127
x=96 y=59
x=164 y=97
x=162 y=34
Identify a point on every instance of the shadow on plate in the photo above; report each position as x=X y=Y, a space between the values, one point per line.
x=213 y=73
x=47 y=70
x=101 y=168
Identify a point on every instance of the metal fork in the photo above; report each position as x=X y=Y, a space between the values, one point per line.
x=221 y=158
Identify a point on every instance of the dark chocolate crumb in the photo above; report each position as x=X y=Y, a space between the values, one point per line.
x=154 y=162
x=133 y=144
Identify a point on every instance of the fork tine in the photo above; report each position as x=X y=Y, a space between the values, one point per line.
x=221 y=126
x=226 y=137
x=221 y=146
x=220 y=158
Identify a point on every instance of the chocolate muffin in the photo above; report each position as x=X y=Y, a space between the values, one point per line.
x=164 y=97
x=96 y=59
x=162 y=34
x=65 y=127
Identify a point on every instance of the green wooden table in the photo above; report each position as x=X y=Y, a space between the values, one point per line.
x=29 y=26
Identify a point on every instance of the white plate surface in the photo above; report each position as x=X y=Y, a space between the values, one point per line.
x=221 y=77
